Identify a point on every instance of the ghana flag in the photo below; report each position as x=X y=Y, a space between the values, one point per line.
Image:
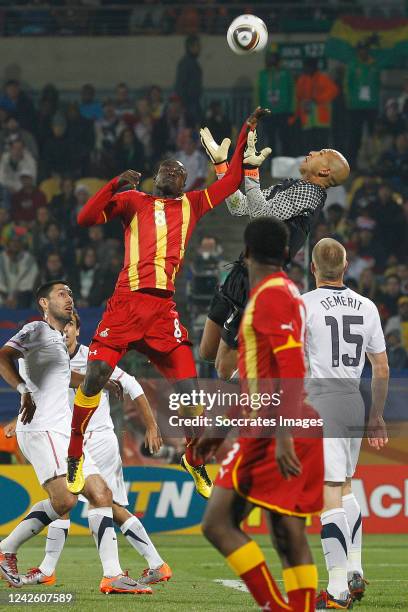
x=387 y=39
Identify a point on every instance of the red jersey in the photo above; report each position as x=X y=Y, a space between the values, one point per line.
x=157 y=230
x=271 y=339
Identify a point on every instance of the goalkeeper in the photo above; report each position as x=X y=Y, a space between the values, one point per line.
x=297 y=202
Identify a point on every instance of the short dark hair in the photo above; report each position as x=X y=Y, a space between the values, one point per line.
x=266 y=239
x=44 y=290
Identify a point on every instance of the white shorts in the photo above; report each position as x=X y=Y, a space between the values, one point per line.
x=340 y=458
x=103 y=448
x=343 y=416
x=47 y=452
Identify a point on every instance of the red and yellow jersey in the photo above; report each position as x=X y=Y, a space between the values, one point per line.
x=272 y=331
x=157 y=231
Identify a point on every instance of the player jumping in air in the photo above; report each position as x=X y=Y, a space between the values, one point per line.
x=297 y=202
x=43 y=379
x=342 y=328
x=283 y=475
x=141 y=313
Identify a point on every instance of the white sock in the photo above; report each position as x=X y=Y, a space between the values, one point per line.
x=54 y=545
x=335 y=536
x=101 y=524
x=353 y=515
x=137 y=537
x=40 y=515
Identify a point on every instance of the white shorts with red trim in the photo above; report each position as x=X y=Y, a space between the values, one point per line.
x=47 y=452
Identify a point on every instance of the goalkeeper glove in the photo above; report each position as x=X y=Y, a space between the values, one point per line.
x=217 y=153
x=252 y=158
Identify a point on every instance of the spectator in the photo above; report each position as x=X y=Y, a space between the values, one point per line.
x=105 y=281
x=276 y=91
x=55 y=157
x=63 y=205
x=5 y=197
x=123 y=102
x=47 y=108
x=12 y=131
x=394 y=162
x=399 y=322
x=373 y=147
x=146 y=18
x=396 y=353
x=53 y=269
x=393 y=120
x=144 y=126
x=96 y=240
x=402 y=271
x=217 y=121
x=129 y=152
x=18 y=272
x=390 y=294
x=337 y=222
x=26 y=201
x=39 y=228
x=390 y=221
x=87 y=273
x=13 y=163
x=90 y=108
x=18 y=104
x=315 y=92
x=6 y=227
x=367 y=284
x=81 y=140
x=166 y=131
x=194 y=161
x=403 y=99
x=155 y=98
x=365 y=198
x=107 y=129
x=362 y=90
x=371 y=250
x=189 y=80
x=55 y=242
x=204 y=272
x=356 y=264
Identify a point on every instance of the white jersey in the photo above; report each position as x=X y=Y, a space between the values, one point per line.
x=342 y=326
x=45 y=367
x=101 y=419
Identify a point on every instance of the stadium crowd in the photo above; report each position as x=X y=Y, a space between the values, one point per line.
x=55 y=153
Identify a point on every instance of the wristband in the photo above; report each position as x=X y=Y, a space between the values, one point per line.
x=22 y=388
x=221 y=168
x=251 y=172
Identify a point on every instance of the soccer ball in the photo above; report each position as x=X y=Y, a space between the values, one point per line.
x=247 y=34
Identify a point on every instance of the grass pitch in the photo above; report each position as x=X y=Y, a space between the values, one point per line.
x=196 y=568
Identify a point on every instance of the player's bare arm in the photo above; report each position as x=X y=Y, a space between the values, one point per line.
x=9 y=372
x=376 y=428
x=153 y=439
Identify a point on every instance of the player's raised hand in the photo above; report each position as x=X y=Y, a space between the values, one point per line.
x=377 y=433
x=217 y=153
x=153 y=439
x=10 y=429
x=129 y=177
x=27 y=408
x=252 y=157
x=114 y=386
x=287 y=460
x=254 y=117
